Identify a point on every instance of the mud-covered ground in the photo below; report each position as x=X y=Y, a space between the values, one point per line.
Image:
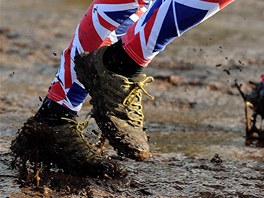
x=197 y=112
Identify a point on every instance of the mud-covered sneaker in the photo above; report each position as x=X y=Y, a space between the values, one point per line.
x=255 y=101
x=117 y=104
x=256 y=98
x=63 y=145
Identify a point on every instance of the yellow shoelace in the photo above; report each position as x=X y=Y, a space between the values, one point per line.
x=138 y=86
x=133 y=100
x=79 y=126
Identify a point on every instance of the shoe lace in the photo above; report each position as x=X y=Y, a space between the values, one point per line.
x=133 y=100
x=79 y=126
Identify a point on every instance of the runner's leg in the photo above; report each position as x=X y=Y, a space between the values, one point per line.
x=101 y=18
x=163 y=22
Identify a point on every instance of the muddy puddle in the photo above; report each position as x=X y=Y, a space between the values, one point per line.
x=186 y=162
x=195 y=124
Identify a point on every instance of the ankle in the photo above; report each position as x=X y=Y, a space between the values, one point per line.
x=53 y=112
x=116 y=59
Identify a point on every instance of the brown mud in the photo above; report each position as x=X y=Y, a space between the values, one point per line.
x=196 y=122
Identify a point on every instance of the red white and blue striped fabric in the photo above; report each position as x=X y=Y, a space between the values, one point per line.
x=107 y=21
x=163 y=22
x=103 y=23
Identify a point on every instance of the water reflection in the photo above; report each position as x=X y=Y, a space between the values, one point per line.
x=200 y=142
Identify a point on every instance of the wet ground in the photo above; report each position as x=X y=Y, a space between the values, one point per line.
x=196 y=123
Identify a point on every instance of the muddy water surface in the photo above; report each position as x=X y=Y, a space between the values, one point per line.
x=196 y=123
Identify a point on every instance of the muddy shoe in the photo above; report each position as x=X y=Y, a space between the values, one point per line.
x=116 y=104
x=63 y=145
x=254 y=100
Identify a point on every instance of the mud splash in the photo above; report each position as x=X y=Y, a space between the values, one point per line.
x=184 y=165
